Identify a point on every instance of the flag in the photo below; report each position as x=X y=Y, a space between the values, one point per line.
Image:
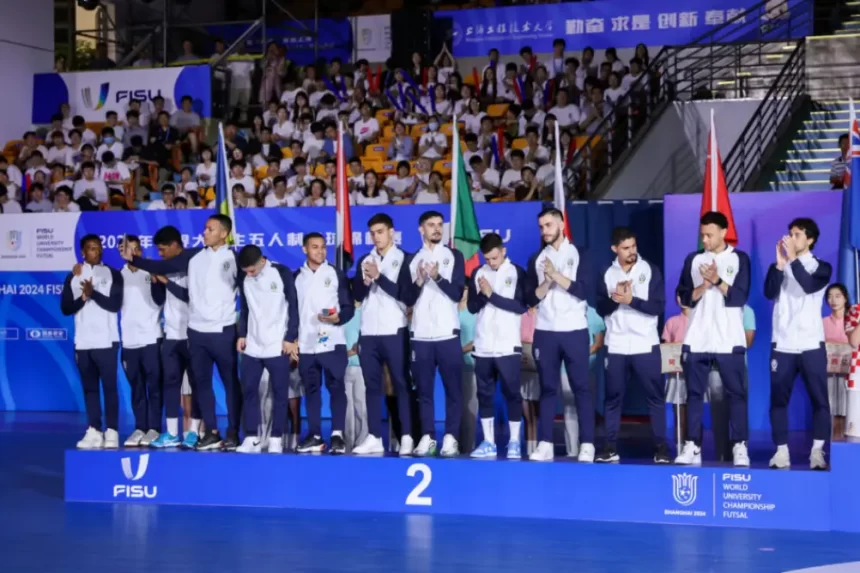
x=849 y=238
x=465 y=234
x=224 y=195
x=715 y=197
x=558 y=196
x=344 y=221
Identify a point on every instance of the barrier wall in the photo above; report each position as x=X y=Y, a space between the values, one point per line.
x=601 y=25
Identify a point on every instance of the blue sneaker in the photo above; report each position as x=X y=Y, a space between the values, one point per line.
x=514 y=452
x=165 y=440
x=190 y=441
x=485 y=450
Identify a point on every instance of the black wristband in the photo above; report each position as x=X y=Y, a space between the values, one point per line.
x=719 y=282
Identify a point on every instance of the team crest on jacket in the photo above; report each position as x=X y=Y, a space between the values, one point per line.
x=395 y=264
x=509 y=281
x=730 y=271
x=274 y=286
x=226 y=266
x=570 y=262
x=445 y=262
x=147 y=279
x=642 y=278
x=328 y=282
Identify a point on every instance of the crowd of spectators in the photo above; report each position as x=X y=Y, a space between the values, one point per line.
x=397 y=128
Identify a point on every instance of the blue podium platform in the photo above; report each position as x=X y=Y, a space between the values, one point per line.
x=715 y=496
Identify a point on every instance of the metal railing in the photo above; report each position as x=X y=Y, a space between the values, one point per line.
x=769 y=122
x=741 y=57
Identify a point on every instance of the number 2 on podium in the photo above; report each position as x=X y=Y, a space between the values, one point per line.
x=415 y=497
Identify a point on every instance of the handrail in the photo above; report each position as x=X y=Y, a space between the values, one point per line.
x=751 y=150
x=679 y=72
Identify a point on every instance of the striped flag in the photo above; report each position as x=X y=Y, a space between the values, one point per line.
x=465 y=233
x=715 y=196
x=344 y=221
x=224 y=195
x=849 y=240
x=558 y=196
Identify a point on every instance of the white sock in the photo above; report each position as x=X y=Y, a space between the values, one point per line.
x=173 y=426
x=515 y=431
x=532 y=446
x=817 y=444
x=783 y=449
x=294 y=441
x=489 y=431
x=195 y=426
x=337 y=433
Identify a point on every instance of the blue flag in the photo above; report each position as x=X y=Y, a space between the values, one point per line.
x=223 y=195
x=852 y=183
x=847 y=252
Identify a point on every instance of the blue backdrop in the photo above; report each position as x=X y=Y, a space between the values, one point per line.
x=605 y=24
x=761 y=219
x=37 y=369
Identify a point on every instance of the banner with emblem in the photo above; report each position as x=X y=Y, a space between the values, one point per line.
x=601 y=25
x=839 y=358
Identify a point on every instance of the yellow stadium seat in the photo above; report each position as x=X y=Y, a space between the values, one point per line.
x=388 y=167
x=319 y=170
x=418 y=130
x=403 y=202
x=375 y=151
x=286 y=152
x=384 y=116
x=260 y=172
x=497 y=110
x=519 y=143
x=388 y=131
x=96 y=126
x=580 y=141
x=443 y=166
x=373 y=164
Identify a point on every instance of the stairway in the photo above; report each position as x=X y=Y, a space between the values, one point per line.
x=851 y=24
x=805 y=164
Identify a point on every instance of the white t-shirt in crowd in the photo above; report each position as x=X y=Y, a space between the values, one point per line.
x=397 y=185
x=210 y=171
x=473 y=122
x=113 y=175
x=433 y=137
x=70 y=208
x=511 y=178
x=247 y=182
x=491 y=176
x=379 y=199
x=284 y=130
x=425 y=197
x=241 y=71
x=64 y=156
x=116 y=148
x=363 y=129
x=272 y=201
x=567 y=115
x=612 y=95
x=312 y=147
x=97 y=187
x=12 y=208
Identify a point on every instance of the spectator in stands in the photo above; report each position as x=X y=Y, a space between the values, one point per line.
x=840 y=163
x=530 y=116
x=594 y=113
x=371 y=193
x=566 y=113
x=273 y=68
x=154 y=109
x=529 y=189
x=162 y=139
x=185 y=119
x=8 y=205
x=355 y=180
x=400 y=186
x=329 y=147
x=57 y=125
x=238 y=177
x=88 y=153
x=58 y=179
x=279 y=196
x=367 y=127
x=485 y=180
x=636 y=72
x=31 y=145
x=60 y=152
x=232 y=139
x=401 y=146
x=180 y=203
x=241 y=198
x=555 y=65
x=90 y=192
x=433 y=144
x=611 y=57
x=87 y=134
x=38 y=202
x=642 y=53
x=63 y=201
x=265 y=151
x=241 y=70
x=109 y=143
x=614 y=93
x=315 y=194
x=433 y=192
x=513 y=176
x=12 y=172
x=114 y=173
x=188 y=54
x=167 y=201
x=133 y=128
x=297 y=184
x=489 y=91
x=60 y=65
x=112 y=121
x=13 y=191
x=35 y=164
x=144 y=60
x=101 y=61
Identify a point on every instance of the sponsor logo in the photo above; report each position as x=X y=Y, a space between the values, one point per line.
x=13 y=240
x=737 y=477
x=46 y=334
x=135 y=491
x=87 y=96
x=9 y=334
x=684 y=488
x=774 y=365
x=141 y=94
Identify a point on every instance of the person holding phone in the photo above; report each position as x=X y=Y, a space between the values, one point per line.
x=325 y=305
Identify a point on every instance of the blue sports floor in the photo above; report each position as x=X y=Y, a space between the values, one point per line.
x=41 y=533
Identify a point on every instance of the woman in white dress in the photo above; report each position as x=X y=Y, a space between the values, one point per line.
x=371 y=193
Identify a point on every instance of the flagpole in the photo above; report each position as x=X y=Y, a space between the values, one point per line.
x=339 y=259
x=712 y=148
x=228 y=193
x=455 y=184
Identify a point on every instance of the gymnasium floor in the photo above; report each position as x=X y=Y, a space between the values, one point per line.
x=40 y=533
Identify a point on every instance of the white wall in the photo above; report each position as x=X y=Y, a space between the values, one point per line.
x=671 y=159
x=26 y=48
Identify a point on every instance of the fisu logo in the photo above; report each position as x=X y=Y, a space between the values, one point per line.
x=135 y=491
x=684 y=488
x=142 y=465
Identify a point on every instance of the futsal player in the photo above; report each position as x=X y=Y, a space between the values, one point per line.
x=715 y=284
x=380 y=284
x=211 y=323
x=268 y=332
x=559 y=282
x=324 y=306
x=630 y=298
x=175 y=359
x=437 y=280
x=796 y=283
x=140 y=322
x=497 y=296
x=94 y=297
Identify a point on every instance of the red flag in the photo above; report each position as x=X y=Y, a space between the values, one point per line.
x=715 y=197
x=477 y=79
x=344 y=222
x=558 y=195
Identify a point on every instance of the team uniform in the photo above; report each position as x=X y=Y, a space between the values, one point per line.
x=322 y=348
x=211 y=328
x=384 y=340
x=140 y=324
x=633 y=347
x=561 y=336
x=96 y=345
x=435 y=342
x=798 y=347
x=715 y=337
x=268 y=317
x=498 y=349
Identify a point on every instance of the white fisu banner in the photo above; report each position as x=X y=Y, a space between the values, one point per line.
x=46 y=242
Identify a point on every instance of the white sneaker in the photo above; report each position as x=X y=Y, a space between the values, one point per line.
x=781 y=460
x=450 y=447
x=134 y=439
x=543 y=453
x=740 y=455
x=406 y=446
x=150 y=437
x=251 y=445
x=691 y=455
x=111 y=439
x=586 y=453
x=426 y=446
x=817 y=460
x=370 y=446
x=276 y=446
x=92 y=440
x=394 y=446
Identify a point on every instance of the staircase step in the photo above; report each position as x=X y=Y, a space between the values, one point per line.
x=825 y=153
x=840 y=114
x=814 y=124
x=821 y=133
x=792 y=163
x=801 y=176
x=817 y=185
